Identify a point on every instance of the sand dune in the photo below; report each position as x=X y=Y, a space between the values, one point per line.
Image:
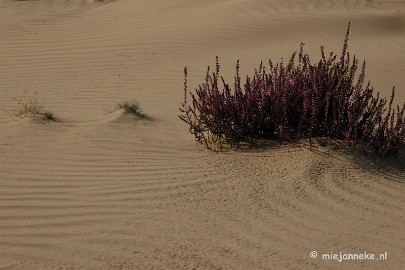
x=103 y=189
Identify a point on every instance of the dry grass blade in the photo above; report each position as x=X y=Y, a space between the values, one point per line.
x=32 y=107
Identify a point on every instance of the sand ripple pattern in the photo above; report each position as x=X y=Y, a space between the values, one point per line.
x=106 y=190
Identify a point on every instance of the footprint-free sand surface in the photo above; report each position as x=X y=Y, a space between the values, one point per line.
x=102 y=189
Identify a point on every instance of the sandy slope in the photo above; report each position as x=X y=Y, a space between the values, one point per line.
x=103 y=190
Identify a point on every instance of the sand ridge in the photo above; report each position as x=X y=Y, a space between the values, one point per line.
x=102 y=189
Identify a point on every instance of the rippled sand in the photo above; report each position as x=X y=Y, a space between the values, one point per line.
x=106 y=190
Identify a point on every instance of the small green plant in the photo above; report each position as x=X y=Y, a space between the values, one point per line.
x=132 y=107
x=49 y=115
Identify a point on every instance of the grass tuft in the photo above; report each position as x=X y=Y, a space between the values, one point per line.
x=28 y=107
x=49 y=115
x=132 y=107
x=32 y=107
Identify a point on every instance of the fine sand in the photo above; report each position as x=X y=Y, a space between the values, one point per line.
x=103 y=189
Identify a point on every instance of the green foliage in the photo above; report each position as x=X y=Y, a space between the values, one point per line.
x=132 y=107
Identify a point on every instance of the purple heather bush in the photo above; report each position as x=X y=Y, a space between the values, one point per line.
x=294 y=101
